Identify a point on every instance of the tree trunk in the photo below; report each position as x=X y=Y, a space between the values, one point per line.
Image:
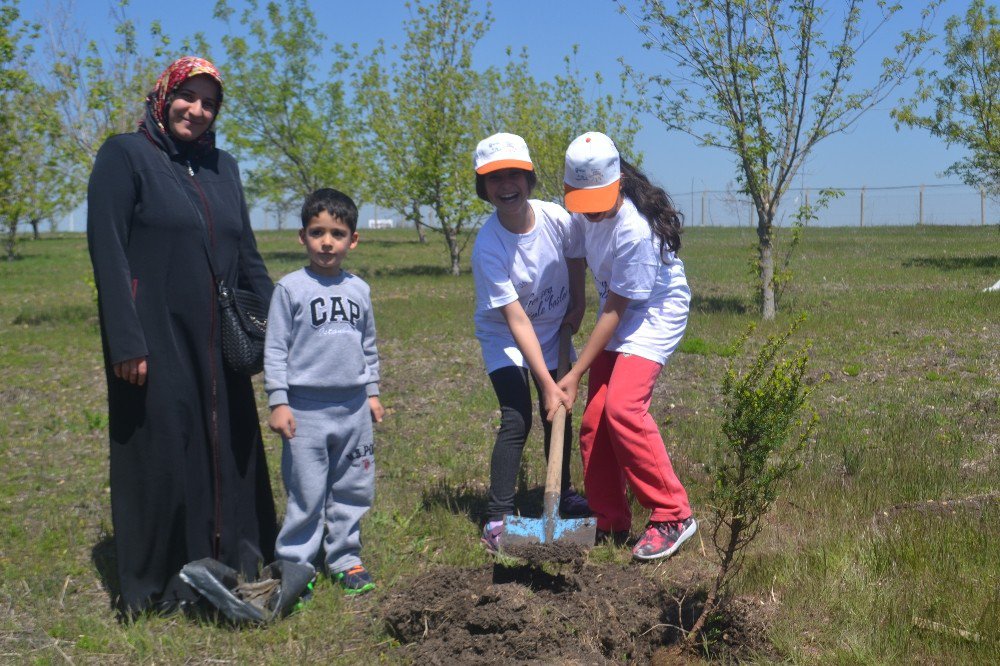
x=34 y=228
x=712 y=599
x=766 y=250
x=421 y=236
x=11 y=241
x=454 y=251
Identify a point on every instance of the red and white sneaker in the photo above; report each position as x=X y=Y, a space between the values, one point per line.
x=662 y=539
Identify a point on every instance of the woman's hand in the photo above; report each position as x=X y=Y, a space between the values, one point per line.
x=282 y=421
x=133 y=370
x=378 y=411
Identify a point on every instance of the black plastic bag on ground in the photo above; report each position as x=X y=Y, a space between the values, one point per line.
x=271 y=596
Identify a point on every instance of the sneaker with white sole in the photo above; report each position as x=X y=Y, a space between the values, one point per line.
x=492 y=531
x=662 y=539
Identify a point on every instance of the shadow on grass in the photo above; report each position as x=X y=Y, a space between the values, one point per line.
x=386 y=243
x=410 y=271
x=460 y=499
x=719 y=304
x=106 y=563
x=86 y=312
x=471 y=501
x=991 y=262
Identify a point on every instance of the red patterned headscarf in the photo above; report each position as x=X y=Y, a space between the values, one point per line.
x=170 y=80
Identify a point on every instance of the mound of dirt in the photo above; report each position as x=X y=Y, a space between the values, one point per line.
x=575 y=613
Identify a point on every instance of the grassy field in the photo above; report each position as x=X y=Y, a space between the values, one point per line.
x=882 y=549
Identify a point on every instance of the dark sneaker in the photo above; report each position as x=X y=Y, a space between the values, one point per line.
x=663 y=539
x=618 y=538
x=355 y=580
x=573 y=505
x=492 y=531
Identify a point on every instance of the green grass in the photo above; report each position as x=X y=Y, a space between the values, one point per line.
x=857 y=546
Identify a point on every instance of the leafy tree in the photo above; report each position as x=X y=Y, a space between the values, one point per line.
x=101 y=88
x=965 y=96
x=34 y=183
x=297 y=129
x=766 y=81
x=549 y=115
x=422 y=119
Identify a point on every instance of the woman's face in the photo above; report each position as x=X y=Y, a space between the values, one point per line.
x=193 y=108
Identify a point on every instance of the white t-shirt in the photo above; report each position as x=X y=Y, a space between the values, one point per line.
x=530 y=268
x=624 y=256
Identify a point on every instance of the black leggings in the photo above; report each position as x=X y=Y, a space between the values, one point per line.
x=511 y=386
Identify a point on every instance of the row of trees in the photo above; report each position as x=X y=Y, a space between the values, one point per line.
x=395 y=126
x=762 y=79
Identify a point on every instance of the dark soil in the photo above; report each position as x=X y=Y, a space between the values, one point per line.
x=568 y=612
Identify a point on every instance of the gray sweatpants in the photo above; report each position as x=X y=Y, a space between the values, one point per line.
x=329 y=474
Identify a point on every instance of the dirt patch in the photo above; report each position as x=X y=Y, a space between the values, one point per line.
x=572 y=612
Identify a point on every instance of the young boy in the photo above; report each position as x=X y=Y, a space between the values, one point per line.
x=321 y=374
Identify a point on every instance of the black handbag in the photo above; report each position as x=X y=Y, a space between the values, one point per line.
x=244 y=323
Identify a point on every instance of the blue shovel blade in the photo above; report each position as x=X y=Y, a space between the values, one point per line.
x=521 y=530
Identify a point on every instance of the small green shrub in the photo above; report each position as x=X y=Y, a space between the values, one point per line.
x=764 y=436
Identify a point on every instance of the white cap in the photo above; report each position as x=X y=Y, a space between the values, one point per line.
x=502 y=151
x=593 y=174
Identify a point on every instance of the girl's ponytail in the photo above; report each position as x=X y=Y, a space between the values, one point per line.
x=655 y=205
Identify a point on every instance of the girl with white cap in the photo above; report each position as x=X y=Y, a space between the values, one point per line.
x=528 y=267
x=632 y=235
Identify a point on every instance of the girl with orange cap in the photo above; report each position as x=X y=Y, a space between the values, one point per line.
x=529 y=276
x=632 y=235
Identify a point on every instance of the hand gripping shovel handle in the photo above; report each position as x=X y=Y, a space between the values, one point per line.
x=553 y=476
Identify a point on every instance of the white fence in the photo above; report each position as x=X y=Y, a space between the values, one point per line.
x=857 y=207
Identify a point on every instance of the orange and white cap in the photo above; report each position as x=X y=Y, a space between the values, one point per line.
x=502 y=151
x=593 y=174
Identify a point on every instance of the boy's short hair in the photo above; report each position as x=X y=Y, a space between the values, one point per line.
x=481 y=183
x=334 y=202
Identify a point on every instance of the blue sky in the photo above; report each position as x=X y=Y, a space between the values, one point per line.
x=873 y=154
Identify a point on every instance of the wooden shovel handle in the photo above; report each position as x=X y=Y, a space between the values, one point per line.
x=553 y=475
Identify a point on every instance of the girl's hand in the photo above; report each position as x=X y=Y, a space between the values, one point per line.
x=378 y=411
x=282 y=421
x=133 y=370
x=552 y=397
x=570 y=384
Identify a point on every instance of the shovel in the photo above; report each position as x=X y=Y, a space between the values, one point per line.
x=519 y=530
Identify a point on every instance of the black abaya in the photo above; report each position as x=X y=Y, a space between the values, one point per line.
x=188 y=474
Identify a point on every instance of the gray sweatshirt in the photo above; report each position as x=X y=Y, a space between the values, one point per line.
x=320 y=338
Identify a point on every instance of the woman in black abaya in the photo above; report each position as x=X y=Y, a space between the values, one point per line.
x=188 y=474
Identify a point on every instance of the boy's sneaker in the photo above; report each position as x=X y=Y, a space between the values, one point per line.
x=355 y=580
x=663 y=539
x=306 y=597
x=492 y=531
x=573 y=505
x=618 y=537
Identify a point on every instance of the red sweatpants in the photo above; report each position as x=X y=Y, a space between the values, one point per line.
x=621 y=444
